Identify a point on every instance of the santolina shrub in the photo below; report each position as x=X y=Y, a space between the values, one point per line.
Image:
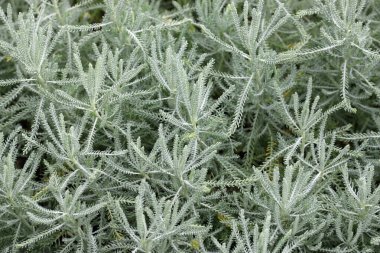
x=189 y=126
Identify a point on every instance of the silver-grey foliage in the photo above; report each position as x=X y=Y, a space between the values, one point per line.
x=189 y=126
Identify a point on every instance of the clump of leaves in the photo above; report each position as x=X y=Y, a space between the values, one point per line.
x=189 y=126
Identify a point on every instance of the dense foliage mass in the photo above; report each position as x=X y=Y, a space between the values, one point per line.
x=190 y=126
